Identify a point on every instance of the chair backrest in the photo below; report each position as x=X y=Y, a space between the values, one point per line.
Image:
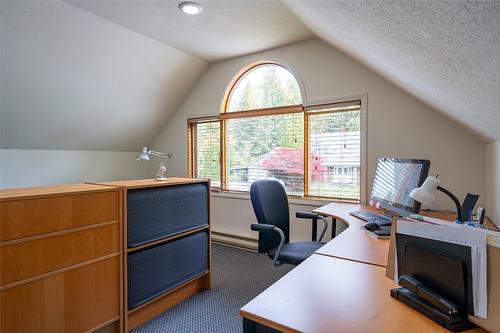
x=270 y=205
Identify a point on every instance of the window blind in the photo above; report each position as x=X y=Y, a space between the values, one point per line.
x=205 y=151
x=266 y=147
x=334 y=150
x=313 y=152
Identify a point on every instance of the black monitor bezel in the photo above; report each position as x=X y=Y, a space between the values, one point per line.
x=423 y=175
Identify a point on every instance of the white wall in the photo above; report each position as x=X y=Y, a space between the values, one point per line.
x=493 y=181
x=27 y=168
x=233 y=214
x=398 y=124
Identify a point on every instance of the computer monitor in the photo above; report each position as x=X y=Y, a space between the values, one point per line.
x=394 y=180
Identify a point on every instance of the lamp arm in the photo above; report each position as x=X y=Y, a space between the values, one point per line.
x=454 y=198
x=157 y=153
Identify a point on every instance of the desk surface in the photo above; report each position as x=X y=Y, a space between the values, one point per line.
x=356 y=244
x=353 y=243
x=325 y=294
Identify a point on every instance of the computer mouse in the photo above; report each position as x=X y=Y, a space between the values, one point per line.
x=372 y=226
x=382 y=232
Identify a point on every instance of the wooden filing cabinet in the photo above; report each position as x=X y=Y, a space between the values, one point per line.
x=60 y=259
x=166 y=242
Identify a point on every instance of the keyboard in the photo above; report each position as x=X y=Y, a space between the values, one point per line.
x=367 y=216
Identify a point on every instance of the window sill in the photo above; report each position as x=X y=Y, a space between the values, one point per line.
x=291 y=200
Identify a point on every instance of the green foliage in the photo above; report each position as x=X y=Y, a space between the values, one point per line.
x=248 y=99
x=347 y=121
x=249 y=139
x=207 y=155
x=270 y=91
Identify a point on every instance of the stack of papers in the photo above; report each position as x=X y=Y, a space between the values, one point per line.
x=476 y=238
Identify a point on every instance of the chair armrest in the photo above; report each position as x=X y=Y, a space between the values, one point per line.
x=262 y=227
x=306 y=215
x=268 y=227
x=314 y=216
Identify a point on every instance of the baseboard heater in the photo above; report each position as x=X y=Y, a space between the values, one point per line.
x=234 y=240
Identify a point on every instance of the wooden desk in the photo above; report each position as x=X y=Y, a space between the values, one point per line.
x=356 y=244
x=353 y=243
x=325 y=294
x=340 y=288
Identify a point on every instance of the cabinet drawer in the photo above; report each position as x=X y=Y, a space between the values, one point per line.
x=74 y=301
x=29 y=217
x=153 y=271
x=158 y=212
x=30 y=258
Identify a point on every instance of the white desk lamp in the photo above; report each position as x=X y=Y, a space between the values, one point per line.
x=144 y=156
x=425 y=194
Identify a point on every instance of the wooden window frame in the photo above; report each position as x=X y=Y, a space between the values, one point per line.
x=338 y=105
x=191 y=144
x=341 y=105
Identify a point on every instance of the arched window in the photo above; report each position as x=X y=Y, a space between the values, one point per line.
x=264 y=131
x=263 y=86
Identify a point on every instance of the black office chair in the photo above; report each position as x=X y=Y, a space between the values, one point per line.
x=270 y=205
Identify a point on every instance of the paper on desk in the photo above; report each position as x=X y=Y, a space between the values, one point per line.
x=458 y=234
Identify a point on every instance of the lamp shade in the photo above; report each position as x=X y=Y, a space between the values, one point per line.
x=425 y=193
x=143 y=155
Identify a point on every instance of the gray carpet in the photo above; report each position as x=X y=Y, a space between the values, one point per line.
x=237 y=277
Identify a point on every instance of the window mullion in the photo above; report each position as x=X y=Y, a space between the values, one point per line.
x=191 y=134
x=222 y=156
x=306 y=155
x=263 y=112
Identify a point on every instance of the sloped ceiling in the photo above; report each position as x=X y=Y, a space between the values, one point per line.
x=225 y=29
x=73 y=81
x=445 y=53
x=107 y=75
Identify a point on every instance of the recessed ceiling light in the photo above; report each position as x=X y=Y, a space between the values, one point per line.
x=190 y=8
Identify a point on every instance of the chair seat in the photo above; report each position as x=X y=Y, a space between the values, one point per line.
x=297 y=252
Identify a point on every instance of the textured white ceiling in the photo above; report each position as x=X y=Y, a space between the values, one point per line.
x=445 y=53
x=71 y=80
x=224 y=29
